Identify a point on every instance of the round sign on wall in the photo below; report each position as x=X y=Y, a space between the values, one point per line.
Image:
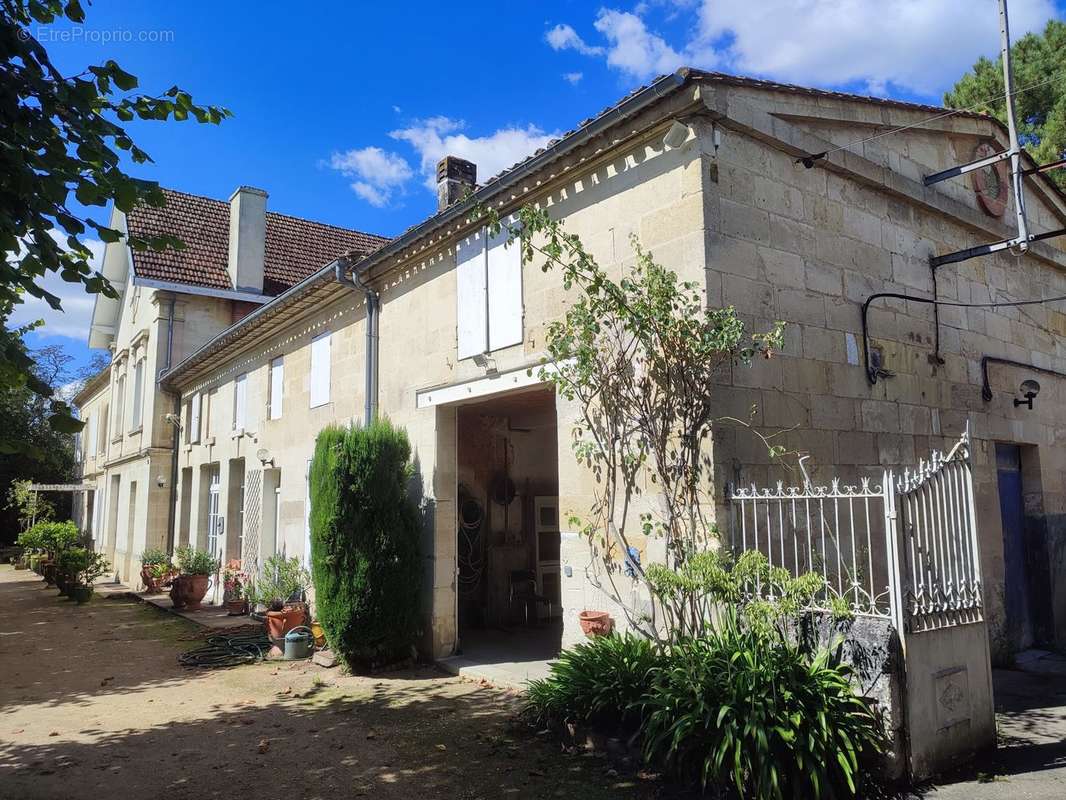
x=991 y=183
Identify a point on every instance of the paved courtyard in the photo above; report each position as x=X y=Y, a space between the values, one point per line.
x=1030 y=763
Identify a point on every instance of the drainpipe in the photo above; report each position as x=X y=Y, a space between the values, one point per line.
x=171 y=510
x=370 y=384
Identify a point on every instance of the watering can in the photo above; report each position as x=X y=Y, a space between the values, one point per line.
x=299 y=643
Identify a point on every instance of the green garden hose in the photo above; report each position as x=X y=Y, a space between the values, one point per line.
x=228 y=650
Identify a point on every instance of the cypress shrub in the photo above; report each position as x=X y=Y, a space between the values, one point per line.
x=364 y=543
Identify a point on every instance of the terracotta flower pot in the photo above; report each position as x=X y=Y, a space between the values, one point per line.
x=281 y=622
x=191 y=590
x=236 y=608
x=152 y=584
x=595 y=623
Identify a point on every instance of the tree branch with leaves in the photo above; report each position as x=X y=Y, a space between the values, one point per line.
x=62 y=140
x=639 y=357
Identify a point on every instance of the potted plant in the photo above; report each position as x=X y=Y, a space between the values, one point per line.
x=234 y=582
x=281 y=587
x=91 y=567
x=68 y=564
x=156 y=570
x=54 y=538
x=194 y=568
x=31 y=542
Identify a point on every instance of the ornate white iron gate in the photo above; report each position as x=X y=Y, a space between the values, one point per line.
x=941 y=574
x=904 y=548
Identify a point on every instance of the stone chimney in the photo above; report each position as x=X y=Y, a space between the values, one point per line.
x=247 y=238
x=455 y=177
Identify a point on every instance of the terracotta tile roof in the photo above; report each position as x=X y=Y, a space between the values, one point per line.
x=295 y=247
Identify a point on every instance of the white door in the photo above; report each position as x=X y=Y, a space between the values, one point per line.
x=215 y=521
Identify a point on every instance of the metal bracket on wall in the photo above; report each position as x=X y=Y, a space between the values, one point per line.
x=986 y=389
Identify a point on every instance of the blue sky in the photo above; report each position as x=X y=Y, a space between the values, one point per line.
x=341 y=114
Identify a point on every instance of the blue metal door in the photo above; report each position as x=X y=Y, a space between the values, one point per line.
x=1015 y=574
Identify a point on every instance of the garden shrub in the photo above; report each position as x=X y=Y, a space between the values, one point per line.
x=750 y=708
x=55 y=537
x=602 y=681
x=364 y=543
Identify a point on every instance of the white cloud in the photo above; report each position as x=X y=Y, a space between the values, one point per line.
x=564 y=37
x=921 y=45
x=74 y=320
x=573 y=78
x=918 y=45
x=379 y=173
x=634 y=49
x=437 y=137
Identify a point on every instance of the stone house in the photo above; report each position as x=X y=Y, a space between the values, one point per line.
x=438 y=330
x=237 y=257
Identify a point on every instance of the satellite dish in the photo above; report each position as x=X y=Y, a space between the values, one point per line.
x=264 y=456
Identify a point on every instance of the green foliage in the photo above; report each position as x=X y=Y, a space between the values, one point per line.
x=62 y=140
x=1041 y=111
x=31 y=540
x=364 y=542
x=638 y=354
x=153 y=556
x=191 y=561
x=691 y=595
x=600 y=681
x=28 y=504
x=83 y=566
x=281 y=580
x=749 y=708
x=55 y=537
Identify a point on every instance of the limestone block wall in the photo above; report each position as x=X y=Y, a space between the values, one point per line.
x=809 y=247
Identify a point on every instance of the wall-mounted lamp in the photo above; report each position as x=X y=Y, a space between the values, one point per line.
x=1029 y=390
x=486 y=363
x=264 y=457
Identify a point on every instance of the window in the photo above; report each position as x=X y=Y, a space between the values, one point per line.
x=101 y=442
x=138 y=393
x=488 y=293
x=320 y=370
x=89 y=440
x=194 y=419
x=77 y=447
x=119 y=423
x=277 y=387
x=210 y=412
x=240 y=402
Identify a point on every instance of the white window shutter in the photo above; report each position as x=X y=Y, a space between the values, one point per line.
x=277 y=383
x=320 y=370
x=194 y=419
x=240 y=402
x=505 y=291
x=471 y=311
x=138 y=393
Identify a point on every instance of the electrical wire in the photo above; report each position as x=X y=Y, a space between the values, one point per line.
x=873 y=373
x=809 y=159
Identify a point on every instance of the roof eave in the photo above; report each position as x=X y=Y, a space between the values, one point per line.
x=639 y=100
